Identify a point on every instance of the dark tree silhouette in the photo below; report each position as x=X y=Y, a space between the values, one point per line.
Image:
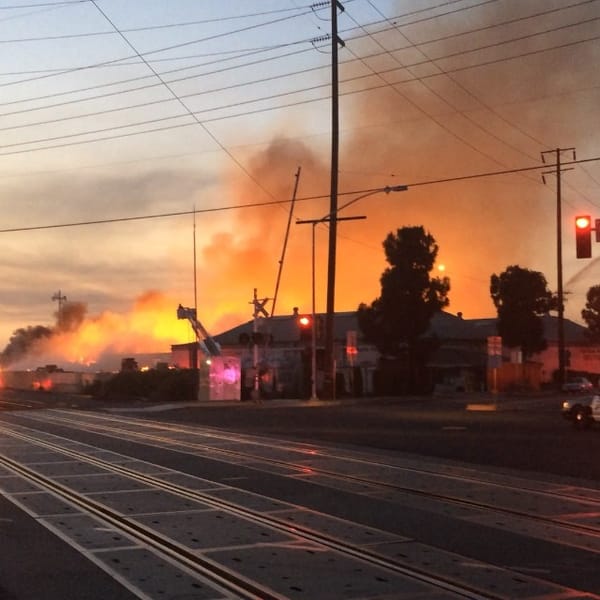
x=409 y=298
x=521 y=297
x=591 y=313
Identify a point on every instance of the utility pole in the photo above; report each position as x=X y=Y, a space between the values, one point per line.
x=559 y=269
x=61 y=300
x=329 y=379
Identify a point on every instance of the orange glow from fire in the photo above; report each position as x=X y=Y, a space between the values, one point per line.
x=150 y=326
x=43 y=385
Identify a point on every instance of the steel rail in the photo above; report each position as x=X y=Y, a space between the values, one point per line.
x=203 y=566
x=209 y=570
x=573 y=527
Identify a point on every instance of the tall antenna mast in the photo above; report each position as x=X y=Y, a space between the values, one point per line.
x=61 y=300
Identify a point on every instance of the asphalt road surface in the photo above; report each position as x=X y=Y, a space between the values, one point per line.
x=518 y=432
x=498 y=493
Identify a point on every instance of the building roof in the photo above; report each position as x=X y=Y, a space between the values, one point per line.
x=285 y=329
x=444 y=325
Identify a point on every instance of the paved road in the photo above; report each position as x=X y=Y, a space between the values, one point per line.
x=527 y=434
x=524 y=432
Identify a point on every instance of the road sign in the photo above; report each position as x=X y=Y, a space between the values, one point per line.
x=494 y=345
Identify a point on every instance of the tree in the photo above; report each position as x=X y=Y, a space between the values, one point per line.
x=409 y=298
x=521 y=297
x=591 y=313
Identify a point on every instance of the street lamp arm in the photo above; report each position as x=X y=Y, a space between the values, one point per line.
x=387 y=189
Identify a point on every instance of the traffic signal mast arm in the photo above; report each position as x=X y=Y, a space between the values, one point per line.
x=206 y=342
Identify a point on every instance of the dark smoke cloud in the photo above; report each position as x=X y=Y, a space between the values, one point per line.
x=72 y=315
x=23 y=342
x=29 y=341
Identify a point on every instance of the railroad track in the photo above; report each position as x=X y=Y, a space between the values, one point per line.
x=501 y=495
x=503 y=584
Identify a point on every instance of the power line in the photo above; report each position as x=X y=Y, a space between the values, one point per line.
x=280 y=202
x=67 y=36
x=294 y=73
x=236 y=104
x=143 y=55
x=43 y=4
x=457 y=83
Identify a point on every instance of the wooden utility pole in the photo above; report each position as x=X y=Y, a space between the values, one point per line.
x=559 y=269
x=329 y=378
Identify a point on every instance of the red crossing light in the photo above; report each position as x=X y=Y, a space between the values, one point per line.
x=583 y=236
x=305 y=327
x=305 y=321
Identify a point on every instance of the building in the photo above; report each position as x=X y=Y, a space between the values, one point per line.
x=460 y=361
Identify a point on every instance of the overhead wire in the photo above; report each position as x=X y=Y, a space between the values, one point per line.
x=99 y=86
x=273 y=202
x=186 y=108
x=274 y=96
x=486 y=105
x=154 y=129
x=143 y=55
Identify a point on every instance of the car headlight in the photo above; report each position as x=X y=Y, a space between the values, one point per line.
x=566 y=405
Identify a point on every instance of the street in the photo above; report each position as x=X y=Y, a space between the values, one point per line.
x=422 y=497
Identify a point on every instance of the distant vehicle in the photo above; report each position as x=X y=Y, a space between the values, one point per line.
x=582 y=411
x=578 y=385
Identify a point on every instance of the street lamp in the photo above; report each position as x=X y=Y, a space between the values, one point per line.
x=313 y=348
x=329 y=317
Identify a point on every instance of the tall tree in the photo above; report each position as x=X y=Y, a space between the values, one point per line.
x=591 y=313
x=521 y=297
x=409 y=295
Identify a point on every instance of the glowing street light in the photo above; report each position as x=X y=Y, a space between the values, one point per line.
x=329 y=317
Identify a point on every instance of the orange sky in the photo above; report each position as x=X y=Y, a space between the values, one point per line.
x=406 y=127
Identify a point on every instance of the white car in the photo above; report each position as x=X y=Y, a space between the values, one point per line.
x=582 y=411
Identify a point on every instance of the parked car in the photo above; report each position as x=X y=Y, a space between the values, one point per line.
x=578 y=385
x=582 y=411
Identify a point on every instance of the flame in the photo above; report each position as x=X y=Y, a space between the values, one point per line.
x=150 y=326
x=42 y=385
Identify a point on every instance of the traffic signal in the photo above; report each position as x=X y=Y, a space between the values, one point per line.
x=305 y=324
x=583 y=236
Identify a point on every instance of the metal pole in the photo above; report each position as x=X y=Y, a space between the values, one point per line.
x=313 y=350
x=329 y=366
x=314 y=223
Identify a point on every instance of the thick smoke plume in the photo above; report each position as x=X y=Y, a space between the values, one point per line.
x=33 y=340
x=23 y=342
x=90 y=341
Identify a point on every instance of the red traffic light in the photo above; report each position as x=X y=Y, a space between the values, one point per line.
x=583 y=236
x=583 y=222
x=304 y=321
